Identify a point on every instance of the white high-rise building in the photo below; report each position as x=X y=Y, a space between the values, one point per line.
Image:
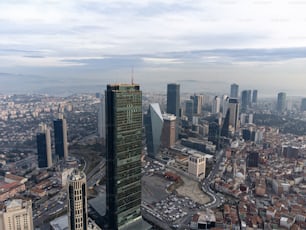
x=16 y=215
x=77 y=201
x=216 y=105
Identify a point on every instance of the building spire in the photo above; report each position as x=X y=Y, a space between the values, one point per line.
x=132 y=76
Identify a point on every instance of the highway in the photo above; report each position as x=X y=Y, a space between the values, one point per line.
x=96 y=174
x=51 y=207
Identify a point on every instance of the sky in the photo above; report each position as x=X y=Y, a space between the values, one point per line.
x=203 y=45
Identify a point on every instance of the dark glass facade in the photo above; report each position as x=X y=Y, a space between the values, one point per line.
x=43 y=141
x=234 y=90
x=60 y=138
x=173 y=99
x=255 y=96
x=123 y=156
x=42 y=150
x=244 y=100
x=281 y=102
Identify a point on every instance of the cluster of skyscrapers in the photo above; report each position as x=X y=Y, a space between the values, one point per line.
x=120 y=124
x=43 y=140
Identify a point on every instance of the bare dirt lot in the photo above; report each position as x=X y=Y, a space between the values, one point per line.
x=191 y=189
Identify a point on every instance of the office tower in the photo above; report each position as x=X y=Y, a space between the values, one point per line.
x=252 y=159
x=214 y=132
x=173 y=99
x=281 y=102
x=255 y=96
x=60 y=137
x=225 y=125
x=153 y=122
x=216 y=105
x=101 y=119
x=123 y=154
x=225 y=99
x=16 y=215
x=168 y=132
x=197 y=103
x=189 y=109
x=303 y=104
x=234 y=90
x=43 y=140
x=77 y=201
x=250 y=98
x=233 y=106
x=244 y=100
x=251 y=117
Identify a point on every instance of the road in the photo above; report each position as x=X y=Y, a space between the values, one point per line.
x=96 y=174
x=216 y=199
x=52 y=207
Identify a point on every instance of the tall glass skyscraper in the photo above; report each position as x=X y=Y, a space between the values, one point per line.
x=153 y=122
x=43 y=140
x=244 y=100
x=60 y=137
x=189 y=109
x=234 y=91
x=123 y=153
x=173 y=99
x=233 y=106
x=255 y=96
x=303 y=104
x=281 y=102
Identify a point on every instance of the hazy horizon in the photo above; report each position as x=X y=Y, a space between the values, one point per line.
x=204 y=46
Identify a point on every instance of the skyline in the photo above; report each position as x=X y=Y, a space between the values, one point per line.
x=209 y=45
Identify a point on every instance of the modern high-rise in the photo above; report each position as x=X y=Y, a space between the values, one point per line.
x=281 y=102
x=60 y=137
x=173 y=99
x=169 y=129
x=225 y=99
x=214 y=132
x=189 y=109
x=77 y=201
x=197 y=103
x=16 y=215
x=225 y=125
x=43 y=140
x=234 y=90
x=216 y=105
x=101 y=119
x=123 y=154
x=303 y=104
x=233 y=106
x=244 y=100
x=255 y=96
x=153 y=122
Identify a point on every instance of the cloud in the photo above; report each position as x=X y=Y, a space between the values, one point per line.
x=86 y=28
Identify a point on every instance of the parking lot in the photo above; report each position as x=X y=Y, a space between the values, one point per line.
x=153 y=188
x=174 y=208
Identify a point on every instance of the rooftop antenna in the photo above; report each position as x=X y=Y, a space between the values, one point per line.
x=132 y=77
